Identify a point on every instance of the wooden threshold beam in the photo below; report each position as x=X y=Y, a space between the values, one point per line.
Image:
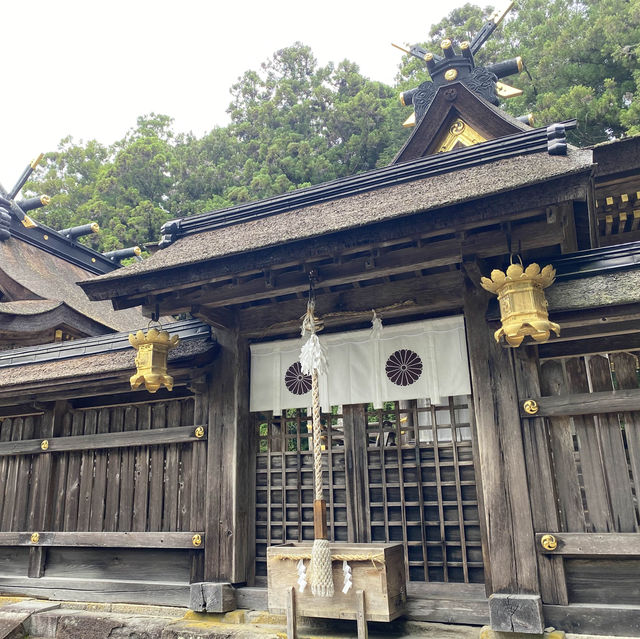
x=592 y=544
x=105 y=539
x=125 y=439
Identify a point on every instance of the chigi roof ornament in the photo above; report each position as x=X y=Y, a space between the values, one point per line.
x=10 y=207
x=458 y=66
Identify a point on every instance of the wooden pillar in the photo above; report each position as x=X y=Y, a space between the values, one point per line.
x=354 y=419
x=230 y=477
x=515 y=603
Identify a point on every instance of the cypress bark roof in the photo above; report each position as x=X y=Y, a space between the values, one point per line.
x=361 y=208
x=30 y=275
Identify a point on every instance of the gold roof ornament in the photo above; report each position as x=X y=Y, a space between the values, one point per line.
x=523 y=306
x=151 y=359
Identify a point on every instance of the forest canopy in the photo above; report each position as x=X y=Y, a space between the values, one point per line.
x=294 y=123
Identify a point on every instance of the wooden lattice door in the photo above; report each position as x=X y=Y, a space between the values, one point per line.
x=403 y=473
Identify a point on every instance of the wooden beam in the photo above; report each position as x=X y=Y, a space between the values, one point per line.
x=576 y=348
x=175 y=435
x=616 y=401
x=437 y=294
x=610 y=620
x=103 y=539
x=592 y=544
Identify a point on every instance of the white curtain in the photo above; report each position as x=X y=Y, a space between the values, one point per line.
x=425 y=359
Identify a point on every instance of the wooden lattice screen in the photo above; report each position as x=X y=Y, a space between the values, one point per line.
x=416 y=492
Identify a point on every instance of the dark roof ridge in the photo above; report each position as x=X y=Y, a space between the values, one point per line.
x=53 y=242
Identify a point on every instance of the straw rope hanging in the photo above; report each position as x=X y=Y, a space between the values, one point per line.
x=313 y=362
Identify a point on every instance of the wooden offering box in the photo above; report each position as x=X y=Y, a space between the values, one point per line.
x=381 y=575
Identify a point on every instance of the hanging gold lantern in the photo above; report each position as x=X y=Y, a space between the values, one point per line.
x=151 y=360
x=523 y=307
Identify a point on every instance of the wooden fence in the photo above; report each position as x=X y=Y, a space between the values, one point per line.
x=592 y=410
x=93 y=496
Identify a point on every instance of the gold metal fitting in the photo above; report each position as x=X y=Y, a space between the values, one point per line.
x=137 y=250
x=44 y=444
x=196 y=540
x=428 y=56
x=402 y=99
x=520 y=64
x=465 y=45
x=35 y=538
x=549 y=542
x=450 y=74
x=531 y=119
x=44 y=200
x=199 y=432
x=93 y=259
x=95 y=227
x=531 y=407
x=445 y=44
x=28 y=222
x=35 y=162
x=45 y=236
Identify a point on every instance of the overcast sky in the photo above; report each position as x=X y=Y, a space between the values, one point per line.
x=89 y=69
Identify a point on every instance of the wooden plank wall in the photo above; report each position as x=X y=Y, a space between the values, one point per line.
x=113 y=487
x=596 y=465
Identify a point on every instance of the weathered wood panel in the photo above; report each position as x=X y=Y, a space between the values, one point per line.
x=14 y=561
x=107 y=590
x=571 y=509
x=593 y=475
x=540 y=475
x=603 y=581
x=613 y=452
x=103 y=539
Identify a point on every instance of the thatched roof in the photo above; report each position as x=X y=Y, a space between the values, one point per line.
x=40 y=280
x=360 y=209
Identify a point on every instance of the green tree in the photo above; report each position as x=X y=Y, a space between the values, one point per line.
x=582 y=57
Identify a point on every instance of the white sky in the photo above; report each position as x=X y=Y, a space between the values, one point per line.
x=89 y=69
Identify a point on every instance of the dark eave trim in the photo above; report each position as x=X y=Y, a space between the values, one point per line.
x=597 y=261
x=520 y=143
x=62 y=247
x=186 y=330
